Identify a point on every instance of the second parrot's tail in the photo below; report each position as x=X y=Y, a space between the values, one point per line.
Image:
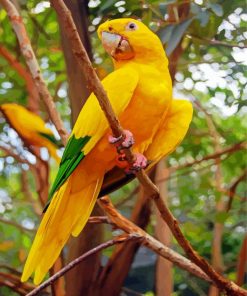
x=53 y=151
x=67 y=214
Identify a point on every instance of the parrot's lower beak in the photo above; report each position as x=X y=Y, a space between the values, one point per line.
x=117 y=46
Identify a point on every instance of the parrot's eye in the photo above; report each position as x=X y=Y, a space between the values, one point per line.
x=131 y=27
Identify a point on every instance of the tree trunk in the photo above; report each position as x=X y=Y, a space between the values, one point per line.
x=163 y=284
x=78 y=92
x=80 y=279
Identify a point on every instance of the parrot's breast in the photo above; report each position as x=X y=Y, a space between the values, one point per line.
x=149 y=104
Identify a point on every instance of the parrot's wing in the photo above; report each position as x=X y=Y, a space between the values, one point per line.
x=171 y=132
x=92 y=124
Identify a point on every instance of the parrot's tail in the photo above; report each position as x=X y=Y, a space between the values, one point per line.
x=67 y=214
x=53 y=151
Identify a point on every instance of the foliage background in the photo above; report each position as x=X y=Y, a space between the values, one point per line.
x=205 y=43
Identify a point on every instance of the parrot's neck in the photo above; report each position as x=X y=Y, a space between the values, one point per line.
x=158 y=61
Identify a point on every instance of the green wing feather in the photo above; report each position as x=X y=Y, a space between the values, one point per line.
x=72 y=156
x=52 y=139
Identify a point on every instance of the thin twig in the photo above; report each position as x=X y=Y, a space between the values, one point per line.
x=17 y=157
x=96 y=86
x=33 y=66
x=99 y=220
x=217 y=42
x=12 y=223
x=22 y=71
x=232 y=190
x=78 y=260
x=229 y=150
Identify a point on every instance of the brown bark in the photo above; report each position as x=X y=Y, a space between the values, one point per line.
x=82 y=278
x=33 y=94
x=117 y=268
x=78 y=91
x=58 y=286
x=163 y=284
x=242 y=263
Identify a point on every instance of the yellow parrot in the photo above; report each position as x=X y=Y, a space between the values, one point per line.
x=140 y=91
x=30 y=127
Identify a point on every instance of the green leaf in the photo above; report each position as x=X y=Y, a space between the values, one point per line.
x=177 y=34
x=106 y=4
x=217 y=9
x=165 y=33
x=203 y=18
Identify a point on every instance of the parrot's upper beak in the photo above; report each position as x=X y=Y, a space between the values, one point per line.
x=117 y=46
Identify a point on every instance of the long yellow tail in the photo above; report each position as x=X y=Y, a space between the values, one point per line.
x=67 y=214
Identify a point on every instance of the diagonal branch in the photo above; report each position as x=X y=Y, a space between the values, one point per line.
x=217 y=42
x=22 y=71
x=129 y=227
x=152 y=191
x=33 y=66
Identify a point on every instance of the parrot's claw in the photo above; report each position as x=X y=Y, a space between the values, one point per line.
x=125 y=144
x=141 y=162
x=128 y=140
x=114 y=140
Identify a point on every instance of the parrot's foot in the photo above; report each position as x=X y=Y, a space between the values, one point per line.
x=140 y=162
x=125 y=144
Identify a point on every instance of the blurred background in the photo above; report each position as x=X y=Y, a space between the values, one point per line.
x=203 y=181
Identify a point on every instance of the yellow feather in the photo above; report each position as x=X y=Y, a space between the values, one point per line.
x=171 y=131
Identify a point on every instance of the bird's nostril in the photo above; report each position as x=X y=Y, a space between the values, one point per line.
x=110 y=28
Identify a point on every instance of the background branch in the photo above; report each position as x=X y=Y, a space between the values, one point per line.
x=78 y=260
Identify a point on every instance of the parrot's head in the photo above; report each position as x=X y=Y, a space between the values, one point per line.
x=8 y=108
x=126 y=39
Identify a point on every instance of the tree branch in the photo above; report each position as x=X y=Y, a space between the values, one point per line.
x=13 y=282
x=28 y=54
x=12 y=223
x=22 y=71
x=96 y=86
x=217 y=42
x=233 y=188
x=72 y=264
x=129 y=227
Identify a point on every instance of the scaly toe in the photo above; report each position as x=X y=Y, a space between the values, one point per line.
x=141 y=162
x=128 y=139
x=114 y=140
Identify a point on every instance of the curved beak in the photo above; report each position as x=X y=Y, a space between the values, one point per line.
x=117 y=46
